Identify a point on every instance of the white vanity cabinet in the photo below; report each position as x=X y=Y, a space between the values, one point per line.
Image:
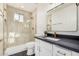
x=43 y=48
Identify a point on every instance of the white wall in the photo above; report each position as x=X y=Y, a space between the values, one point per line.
x=41 y=20
x=41 y=17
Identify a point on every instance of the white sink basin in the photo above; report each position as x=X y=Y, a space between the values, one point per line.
x=54 y=39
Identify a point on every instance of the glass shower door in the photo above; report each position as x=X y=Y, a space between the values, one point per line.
x=16 y=32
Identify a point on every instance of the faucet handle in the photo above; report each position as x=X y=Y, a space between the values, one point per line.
x=54 y=34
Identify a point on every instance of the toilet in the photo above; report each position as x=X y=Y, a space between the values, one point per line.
x=30 y=48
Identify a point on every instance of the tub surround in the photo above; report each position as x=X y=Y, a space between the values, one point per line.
x=67 y=41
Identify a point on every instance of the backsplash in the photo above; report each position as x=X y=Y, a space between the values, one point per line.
x=64 y=36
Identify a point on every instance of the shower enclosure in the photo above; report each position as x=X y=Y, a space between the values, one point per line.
x=15 y=27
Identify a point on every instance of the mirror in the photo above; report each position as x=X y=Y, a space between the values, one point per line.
x=64 y=17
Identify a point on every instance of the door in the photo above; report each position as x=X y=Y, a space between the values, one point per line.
x=45 y=48
x=1 y=30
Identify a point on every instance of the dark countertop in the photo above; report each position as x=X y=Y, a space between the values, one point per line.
x=70 y=44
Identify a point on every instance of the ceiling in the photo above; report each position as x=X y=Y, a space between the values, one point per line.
x=28 y=6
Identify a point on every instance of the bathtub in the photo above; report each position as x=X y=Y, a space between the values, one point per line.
x=16 y=49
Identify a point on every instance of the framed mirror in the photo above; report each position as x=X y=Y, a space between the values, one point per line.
x=64 y=17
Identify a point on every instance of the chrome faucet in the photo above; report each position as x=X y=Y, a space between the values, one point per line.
x=55 y=35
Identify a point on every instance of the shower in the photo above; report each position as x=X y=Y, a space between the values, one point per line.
x=15 y=28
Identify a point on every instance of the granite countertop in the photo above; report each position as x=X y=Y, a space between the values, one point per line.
x=70 y=44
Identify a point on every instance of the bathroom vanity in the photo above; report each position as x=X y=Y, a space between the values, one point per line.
x=62 y=18
x=64 y=45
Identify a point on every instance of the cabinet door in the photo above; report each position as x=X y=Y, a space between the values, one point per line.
x=45 y=48
x=64 y=18
x=75 y=53
x=37 y=47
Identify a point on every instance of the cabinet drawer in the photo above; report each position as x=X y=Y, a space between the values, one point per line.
x=75 y=53
x=60 y=51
